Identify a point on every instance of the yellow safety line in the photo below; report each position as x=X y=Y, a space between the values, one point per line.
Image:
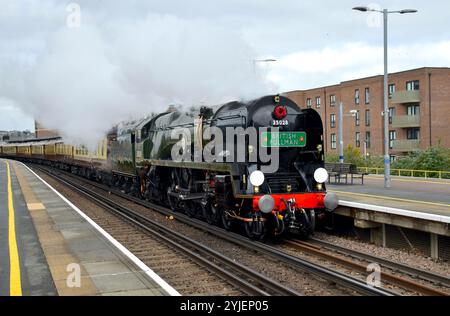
x=408 y=180
x=15 y=282
x=391 y=198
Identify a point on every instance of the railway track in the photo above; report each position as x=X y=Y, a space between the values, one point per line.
x=392 y=265
x=268 y=250
x=247 y=280
x=358 y=261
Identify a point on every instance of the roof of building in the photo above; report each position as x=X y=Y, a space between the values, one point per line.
x=43 y=141
x=365 y=78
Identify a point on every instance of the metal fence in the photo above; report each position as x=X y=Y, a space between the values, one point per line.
x=408 y=172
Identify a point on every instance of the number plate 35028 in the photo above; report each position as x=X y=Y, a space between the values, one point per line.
x=280 y=122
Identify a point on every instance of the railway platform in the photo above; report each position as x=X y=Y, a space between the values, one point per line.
x=50 y=247
x=413 y=212
x=414 y=194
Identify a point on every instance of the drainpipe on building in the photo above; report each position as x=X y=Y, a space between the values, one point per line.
x=341 y=137
x=429 y=105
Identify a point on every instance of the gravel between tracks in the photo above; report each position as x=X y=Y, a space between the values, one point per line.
x=301 y=281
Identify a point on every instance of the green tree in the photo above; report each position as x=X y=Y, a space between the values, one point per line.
x=353 y=155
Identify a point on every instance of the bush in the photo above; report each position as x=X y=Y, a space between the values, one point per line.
x=353 y=155
x=433 y=158
x=331 y=157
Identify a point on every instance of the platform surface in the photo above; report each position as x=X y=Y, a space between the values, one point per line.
x=48 y=248
x=414 y=194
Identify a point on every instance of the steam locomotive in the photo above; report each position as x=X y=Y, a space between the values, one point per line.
x=256 y=165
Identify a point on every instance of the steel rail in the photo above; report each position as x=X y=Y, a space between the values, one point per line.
x=392 y=265
x=305 y=265
x=385 y=276
x=162 y=232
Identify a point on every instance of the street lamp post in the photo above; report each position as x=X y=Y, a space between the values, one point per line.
x=387 y=160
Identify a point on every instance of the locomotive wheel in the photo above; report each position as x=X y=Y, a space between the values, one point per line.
x=145 y=192
x=211 y=213
x=309 y=225
x=141 y=191
x=227 y=222
x=191 y=209
x=142 y=182
x=254 y=230
x=173 y=201
x=279 y=227
x=312 y=220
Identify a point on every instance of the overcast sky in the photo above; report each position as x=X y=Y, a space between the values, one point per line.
x=315 y=43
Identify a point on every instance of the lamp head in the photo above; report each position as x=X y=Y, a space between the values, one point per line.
x=407 y=11
x=362 y=9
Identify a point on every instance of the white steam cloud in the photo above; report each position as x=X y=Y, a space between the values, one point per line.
x=89 y=78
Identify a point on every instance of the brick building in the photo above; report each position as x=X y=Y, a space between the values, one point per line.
x=419 y=111
x=42 y=132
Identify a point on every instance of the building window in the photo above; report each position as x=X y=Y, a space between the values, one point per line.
x=367 y=139
x=391 y=89
x=358 y=139
x=357 y=96
x=412 y=85
x=393 y=158
x=413 y=133
x=332 y=100
x=367 y=117
x=318 y=102
x=332 y=120
x=391 y=114
x=333 y=141
x=413 y=110
x=308 y=103
x=366 y=95
x=357 y=118
x=392 y=137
